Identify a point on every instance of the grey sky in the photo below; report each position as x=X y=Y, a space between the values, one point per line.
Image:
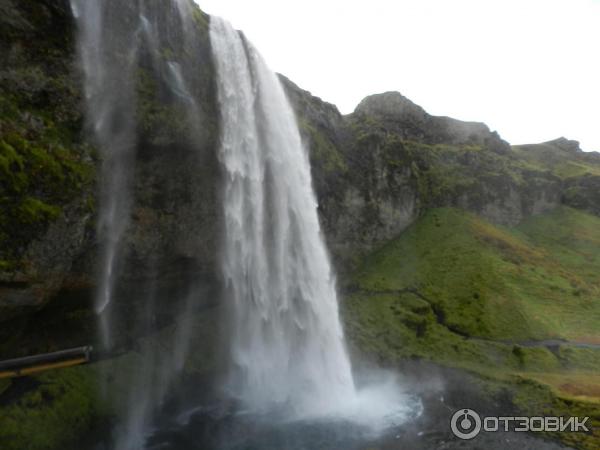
x=528 y=68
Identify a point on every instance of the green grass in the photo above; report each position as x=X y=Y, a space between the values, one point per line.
x=534 y=396
x=54 y=413
x=461 y=292
x=533 y=282
x=561 y=163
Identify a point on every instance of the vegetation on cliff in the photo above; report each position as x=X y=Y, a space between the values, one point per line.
x=46 y=411
x=43 y=162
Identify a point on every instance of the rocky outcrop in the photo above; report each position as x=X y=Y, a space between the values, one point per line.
x=583 y=193
x=410 y=122
x=393 y=161
x=578 y=171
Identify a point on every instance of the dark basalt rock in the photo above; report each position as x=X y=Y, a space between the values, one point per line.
x=583 y=193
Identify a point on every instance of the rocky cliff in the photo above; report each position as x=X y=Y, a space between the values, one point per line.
x=378 y=169
x=49 y=165
x=375 y=170
x=46 y=168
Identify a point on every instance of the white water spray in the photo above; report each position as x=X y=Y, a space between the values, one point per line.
x=287 y=344
x=108 y=64
x=287 y=341
x=114 y=38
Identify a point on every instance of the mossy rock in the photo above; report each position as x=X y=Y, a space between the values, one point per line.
x=48 y=411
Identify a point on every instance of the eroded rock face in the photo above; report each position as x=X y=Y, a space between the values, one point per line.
x=410 y=122
x=175 y=213
x=374 y=171
x=583 y=193
x=51 y=266
x=567 y=145
x=172 y=235
x=46 y=173
x=505 y=201
x=393 y=161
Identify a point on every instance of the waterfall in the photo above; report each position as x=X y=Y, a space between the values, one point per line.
x=287 y=343
x=287 y=352
x=117 y=40
x=108 y=60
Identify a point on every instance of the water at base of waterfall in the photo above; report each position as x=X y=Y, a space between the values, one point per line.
x=210 y=428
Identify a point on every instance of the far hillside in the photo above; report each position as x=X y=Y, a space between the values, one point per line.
x=517 y=305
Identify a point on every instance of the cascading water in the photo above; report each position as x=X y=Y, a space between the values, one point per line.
x=117 y=41
x=287 y=344
x=110 y=104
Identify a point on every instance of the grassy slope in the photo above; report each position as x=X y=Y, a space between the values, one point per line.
x=49 y=411
x=462 y=292
x=548 y=157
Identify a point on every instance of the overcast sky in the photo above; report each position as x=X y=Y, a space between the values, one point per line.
x=530 y=69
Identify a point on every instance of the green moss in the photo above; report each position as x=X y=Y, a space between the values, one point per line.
x=41 y=170
x=549 y=158
x=32 y=210
x=11 y=168
x=10 y=160
x=447 y=171
x=444 y=174
x=325 y=154
x=52 y=415
x=41 y=153
x=201 y=19
x=5 y=265
x=167 y=54
x=162 y=123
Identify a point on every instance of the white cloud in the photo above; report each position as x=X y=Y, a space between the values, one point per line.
x=528 y=68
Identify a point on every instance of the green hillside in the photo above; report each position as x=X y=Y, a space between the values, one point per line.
x=462 y=292
x=560 y=157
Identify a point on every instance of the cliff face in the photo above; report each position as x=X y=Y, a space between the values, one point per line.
x=378 y=169
x=173 y=231
x=578 y=170
x=46 y=168
x=375 y=171
x=49 y=165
